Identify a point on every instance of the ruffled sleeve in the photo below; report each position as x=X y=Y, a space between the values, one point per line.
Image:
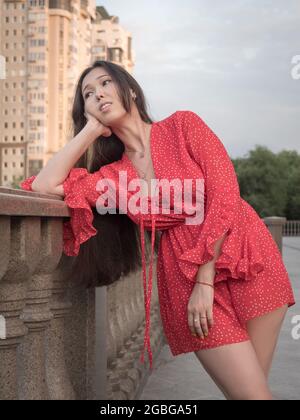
x=80 y=194
x=222 y=205
x=27 y=183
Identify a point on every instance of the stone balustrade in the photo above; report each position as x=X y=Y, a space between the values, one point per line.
x=59 y=340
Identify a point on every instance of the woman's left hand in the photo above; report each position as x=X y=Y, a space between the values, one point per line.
x=200 y=306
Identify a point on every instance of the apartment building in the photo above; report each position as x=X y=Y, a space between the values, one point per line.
x=44 y=46
x=110 y=41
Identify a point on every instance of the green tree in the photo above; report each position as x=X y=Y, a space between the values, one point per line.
x=270 y=182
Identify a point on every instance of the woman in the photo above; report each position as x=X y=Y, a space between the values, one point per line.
x=223 y=288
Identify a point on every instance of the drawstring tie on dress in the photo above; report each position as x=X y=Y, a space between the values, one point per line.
x=147 y=293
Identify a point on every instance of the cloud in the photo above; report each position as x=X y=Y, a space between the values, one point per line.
x=250 y=53
x=230 y=61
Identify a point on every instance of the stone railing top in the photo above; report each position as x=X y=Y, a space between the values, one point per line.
x=275 y=220
x=16 y=202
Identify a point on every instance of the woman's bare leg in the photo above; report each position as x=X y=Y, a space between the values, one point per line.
x=236 y=371
x=264 y=332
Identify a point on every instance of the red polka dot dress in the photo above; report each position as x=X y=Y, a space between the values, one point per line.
x=250 y=279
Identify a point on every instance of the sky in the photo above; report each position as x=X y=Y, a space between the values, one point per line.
x=230 y=61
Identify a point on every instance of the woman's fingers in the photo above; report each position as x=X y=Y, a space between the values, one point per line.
x=195 y=325
x=107 y=132
x=198 y=325
x=191 y=322
x=204 y=324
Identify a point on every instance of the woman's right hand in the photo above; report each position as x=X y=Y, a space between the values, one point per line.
x=97 y=126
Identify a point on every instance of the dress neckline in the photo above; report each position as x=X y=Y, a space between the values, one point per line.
x=131 y=165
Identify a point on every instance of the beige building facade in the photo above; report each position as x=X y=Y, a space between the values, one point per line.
x=44 y=46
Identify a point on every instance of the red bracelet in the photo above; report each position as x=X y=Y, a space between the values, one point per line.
x=207 y=284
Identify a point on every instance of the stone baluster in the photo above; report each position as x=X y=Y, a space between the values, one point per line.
x=275 y=225
x=58 y=379
x=19 y=257
x=37 y=314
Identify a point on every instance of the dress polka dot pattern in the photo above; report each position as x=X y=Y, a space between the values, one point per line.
x=250 y=279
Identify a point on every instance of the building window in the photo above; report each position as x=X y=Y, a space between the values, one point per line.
x=60 y=4
x=37 y=3
x=35 y=164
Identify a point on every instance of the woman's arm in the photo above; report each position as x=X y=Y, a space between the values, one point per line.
x=50 y=178
x=207 y=271
x=222 y=198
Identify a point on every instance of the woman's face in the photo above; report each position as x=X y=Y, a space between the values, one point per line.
x=98 y=88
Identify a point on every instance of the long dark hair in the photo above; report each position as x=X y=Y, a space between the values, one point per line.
x=115 y=250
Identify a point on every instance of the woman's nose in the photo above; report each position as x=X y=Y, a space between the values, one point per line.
x=98 y=95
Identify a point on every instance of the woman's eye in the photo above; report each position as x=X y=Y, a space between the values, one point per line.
x=86 y=95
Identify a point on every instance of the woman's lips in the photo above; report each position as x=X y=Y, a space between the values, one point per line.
x=105 y=107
